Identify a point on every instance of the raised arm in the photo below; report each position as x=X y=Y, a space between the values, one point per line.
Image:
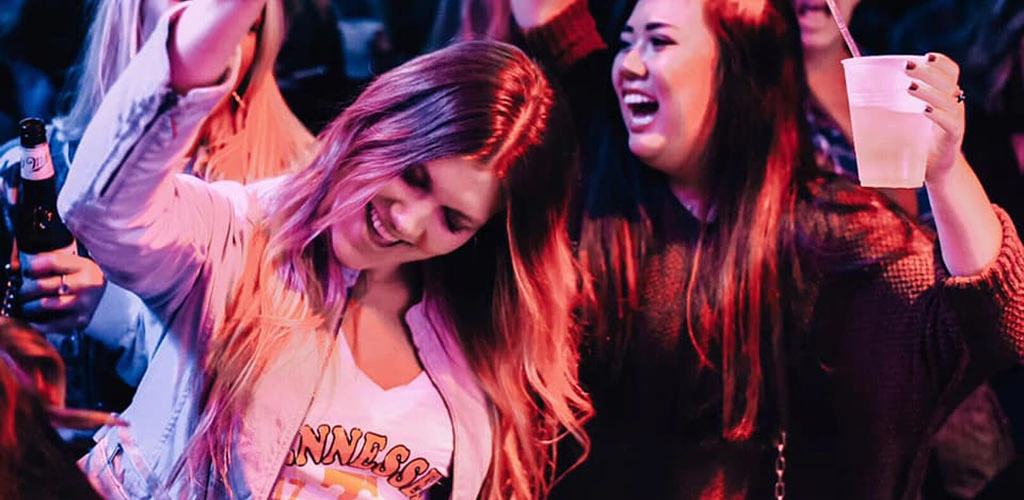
x=970 y=234
x=151 y=229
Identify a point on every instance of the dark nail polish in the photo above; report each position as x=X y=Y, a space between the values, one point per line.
x=911 y=65
x=913 y=85
x=931 y=57
x=928 y=109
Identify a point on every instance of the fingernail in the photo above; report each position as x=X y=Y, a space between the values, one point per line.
x=911 y=65
x=931 y=57
x=928 y=109
x=913 y=85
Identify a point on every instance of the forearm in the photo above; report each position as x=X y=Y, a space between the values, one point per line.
x=969 y=232
x=566 y=38
x=145 y=226
x=204 y=39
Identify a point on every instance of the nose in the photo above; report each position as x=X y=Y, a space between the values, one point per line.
x=410 y=218
x=632 y=66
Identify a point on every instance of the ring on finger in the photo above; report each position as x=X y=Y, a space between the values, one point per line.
x=64 y=288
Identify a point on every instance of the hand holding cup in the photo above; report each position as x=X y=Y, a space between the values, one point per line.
x=935 y=82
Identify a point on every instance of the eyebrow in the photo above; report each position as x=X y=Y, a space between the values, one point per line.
x=647 y=27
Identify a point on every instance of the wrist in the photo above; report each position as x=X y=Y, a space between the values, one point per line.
x=940 y=179
x=529 y=17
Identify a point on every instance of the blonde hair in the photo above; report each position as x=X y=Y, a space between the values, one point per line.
x=258 y=139
x=480 y=100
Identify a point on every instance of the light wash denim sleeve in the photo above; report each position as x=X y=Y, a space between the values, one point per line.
x=122 y=320
x=150 y=228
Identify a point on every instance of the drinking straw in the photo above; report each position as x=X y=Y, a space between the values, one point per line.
x=841 y=23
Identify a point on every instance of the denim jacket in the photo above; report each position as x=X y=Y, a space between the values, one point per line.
x=180 y=244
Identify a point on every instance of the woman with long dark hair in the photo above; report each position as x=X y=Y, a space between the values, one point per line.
x=761 y=326
x=393 y=317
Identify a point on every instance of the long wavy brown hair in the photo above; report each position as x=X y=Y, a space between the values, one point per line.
x=509 y=294
x=758 y=157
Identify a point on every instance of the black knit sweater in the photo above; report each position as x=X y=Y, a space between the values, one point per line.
x=889 y=345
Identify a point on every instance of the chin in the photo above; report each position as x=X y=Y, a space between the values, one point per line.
x=346 y=252
x=348 y=258
x=646 y=146
x=819 y=41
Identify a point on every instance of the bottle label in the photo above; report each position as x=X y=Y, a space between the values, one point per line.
x=36 y=163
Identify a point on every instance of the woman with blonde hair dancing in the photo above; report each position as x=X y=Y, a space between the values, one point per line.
x=394 y=317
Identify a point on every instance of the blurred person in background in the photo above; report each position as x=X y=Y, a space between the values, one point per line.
x=35 y=463
x=828 y=110
x=310 y=68
x=25 y=90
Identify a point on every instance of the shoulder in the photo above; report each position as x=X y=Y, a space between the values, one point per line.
x=225 y=197
x=265 y=188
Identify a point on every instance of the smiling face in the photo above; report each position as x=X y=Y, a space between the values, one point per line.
x=818 y=30
x=430 y=210
x=664 y=75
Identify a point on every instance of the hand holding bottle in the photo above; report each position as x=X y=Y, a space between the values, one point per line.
x=60 y=291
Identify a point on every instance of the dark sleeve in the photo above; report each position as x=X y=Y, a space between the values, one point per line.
x=572 y=49
x=902 y=310
x=895 y=342
x=989 y=306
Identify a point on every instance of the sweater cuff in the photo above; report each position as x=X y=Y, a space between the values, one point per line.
x=1003 y=281
x=1004 y=276
x=567 y=38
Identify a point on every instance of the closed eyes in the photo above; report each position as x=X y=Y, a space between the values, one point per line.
x=418 y=177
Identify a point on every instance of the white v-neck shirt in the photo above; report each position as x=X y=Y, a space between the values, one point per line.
x=362 y=442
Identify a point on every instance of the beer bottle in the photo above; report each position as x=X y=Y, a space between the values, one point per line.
x=37 y=225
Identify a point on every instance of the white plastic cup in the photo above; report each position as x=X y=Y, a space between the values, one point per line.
x=891 y=134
